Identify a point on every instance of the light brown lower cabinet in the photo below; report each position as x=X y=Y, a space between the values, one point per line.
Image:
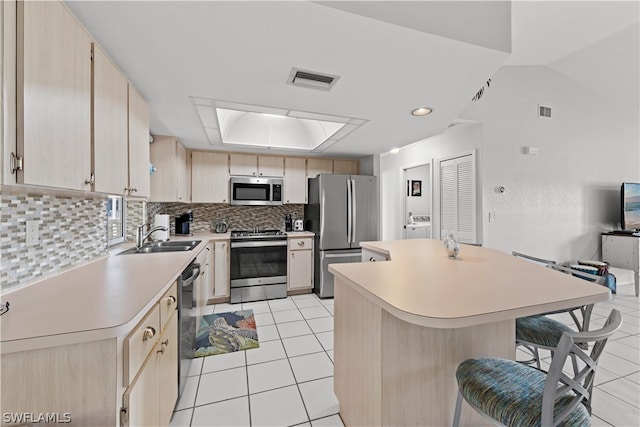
x=300 y=264
x=151 y=397
x=119 y=381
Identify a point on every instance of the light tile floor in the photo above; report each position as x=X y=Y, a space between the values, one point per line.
x=289 y=379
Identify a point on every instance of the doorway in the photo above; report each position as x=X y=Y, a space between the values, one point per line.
x=417 y=205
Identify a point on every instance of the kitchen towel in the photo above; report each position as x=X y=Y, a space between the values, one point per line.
x=164 y=221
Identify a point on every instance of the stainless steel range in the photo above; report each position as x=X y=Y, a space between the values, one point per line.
x=258 y=265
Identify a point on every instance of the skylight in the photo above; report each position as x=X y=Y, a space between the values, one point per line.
x=242 y=125
x=273 y=131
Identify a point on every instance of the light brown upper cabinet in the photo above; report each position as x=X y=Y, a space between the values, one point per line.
x=316 y=166
x=169 y=181
x=252 y=165
x=53 y=85
x=209 y=177
x=139 y=181
x=110 y=135
x=270 y=166
x=295 y=181
x=345 y=167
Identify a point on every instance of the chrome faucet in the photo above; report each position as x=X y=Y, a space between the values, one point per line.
x=141 y=236
x=256 y=229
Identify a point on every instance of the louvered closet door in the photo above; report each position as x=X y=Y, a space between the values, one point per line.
x=458 y=197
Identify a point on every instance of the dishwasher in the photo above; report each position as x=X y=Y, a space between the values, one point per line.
x=187 y=317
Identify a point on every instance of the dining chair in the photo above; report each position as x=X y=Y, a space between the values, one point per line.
x=510 y=393
x=542 y=332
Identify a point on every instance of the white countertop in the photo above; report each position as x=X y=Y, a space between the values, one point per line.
x=102 y=299
x=420 y=285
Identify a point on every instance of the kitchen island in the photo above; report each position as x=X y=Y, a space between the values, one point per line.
x=403 y=326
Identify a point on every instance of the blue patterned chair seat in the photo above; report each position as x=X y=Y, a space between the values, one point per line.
x=540 y=330
x=511 y=392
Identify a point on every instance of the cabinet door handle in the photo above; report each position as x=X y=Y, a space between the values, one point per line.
x=260 y=173
x=91 y=180
x=293 y=254
x=135 y=190
x=372 y=259
x=300 y=243
x=163 y=346
x=148 y=333
x=171 y=300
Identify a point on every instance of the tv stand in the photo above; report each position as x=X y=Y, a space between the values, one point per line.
x=623 y=251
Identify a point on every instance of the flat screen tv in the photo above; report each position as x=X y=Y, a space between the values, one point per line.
x=630 y=197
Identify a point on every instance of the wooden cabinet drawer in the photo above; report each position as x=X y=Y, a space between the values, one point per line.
x=168 y=304
x=296 y=244
x=371 y=256
x=140 y=342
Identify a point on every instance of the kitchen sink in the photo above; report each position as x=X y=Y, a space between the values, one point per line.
x=191 y=243
x=159 y=247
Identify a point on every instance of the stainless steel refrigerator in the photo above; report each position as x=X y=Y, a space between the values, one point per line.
x=342 y=211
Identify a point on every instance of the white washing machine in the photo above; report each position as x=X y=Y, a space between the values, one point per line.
x=418 y=227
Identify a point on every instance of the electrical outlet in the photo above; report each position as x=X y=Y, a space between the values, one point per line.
x=492 y=216
x=33 y=233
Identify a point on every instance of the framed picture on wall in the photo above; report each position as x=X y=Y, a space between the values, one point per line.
x=416 y=188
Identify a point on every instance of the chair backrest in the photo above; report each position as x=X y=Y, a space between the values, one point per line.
x=533 y=259
x=583 y=323
x=600 y=280
x=580 y=384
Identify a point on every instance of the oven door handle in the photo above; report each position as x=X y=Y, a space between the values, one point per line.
x=195 y=273
x=255 y=244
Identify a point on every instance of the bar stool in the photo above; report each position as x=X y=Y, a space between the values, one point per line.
x=513 y=394
x=541 y=332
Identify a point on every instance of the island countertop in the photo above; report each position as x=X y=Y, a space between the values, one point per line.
x=421 y=285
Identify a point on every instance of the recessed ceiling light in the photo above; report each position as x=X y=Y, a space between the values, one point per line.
x=422 y=111
x=394 y=150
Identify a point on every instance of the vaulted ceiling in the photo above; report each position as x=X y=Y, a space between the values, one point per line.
x=391 y=57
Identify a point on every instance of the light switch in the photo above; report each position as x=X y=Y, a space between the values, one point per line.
x=492 y=216
x=33 y=233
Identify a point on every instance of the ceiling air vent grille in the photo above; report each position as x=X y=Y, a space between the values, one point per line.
x=311 y=79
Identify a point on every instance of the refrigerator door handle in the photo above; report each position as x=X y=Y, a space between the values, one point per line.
x=353 y=211
x=330 y=256
x=349 y=211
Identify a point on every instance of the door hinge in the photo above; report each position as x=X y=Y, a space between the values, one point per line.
x=15 y=163
x=124 y=416
x=92 y=52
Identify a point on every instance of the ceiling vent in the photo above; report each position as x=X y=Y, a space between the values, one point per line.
x=544 y=111
x=311 y=79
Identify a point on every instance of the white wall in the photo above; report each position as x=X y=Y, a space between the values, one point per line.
x=557 y=202
x=457 y=139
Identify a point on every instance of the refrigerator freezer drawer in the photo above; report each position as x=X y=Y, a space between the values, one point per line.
x=323 y=283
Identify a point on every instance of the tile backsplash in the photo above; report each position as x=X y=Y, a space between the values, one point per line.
x=135 y=218
x=72 y=232
x=73 y=229
x=238 y=217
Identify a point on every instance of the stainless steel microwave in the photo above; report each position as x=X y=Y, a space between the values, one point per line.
x=256 y=191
